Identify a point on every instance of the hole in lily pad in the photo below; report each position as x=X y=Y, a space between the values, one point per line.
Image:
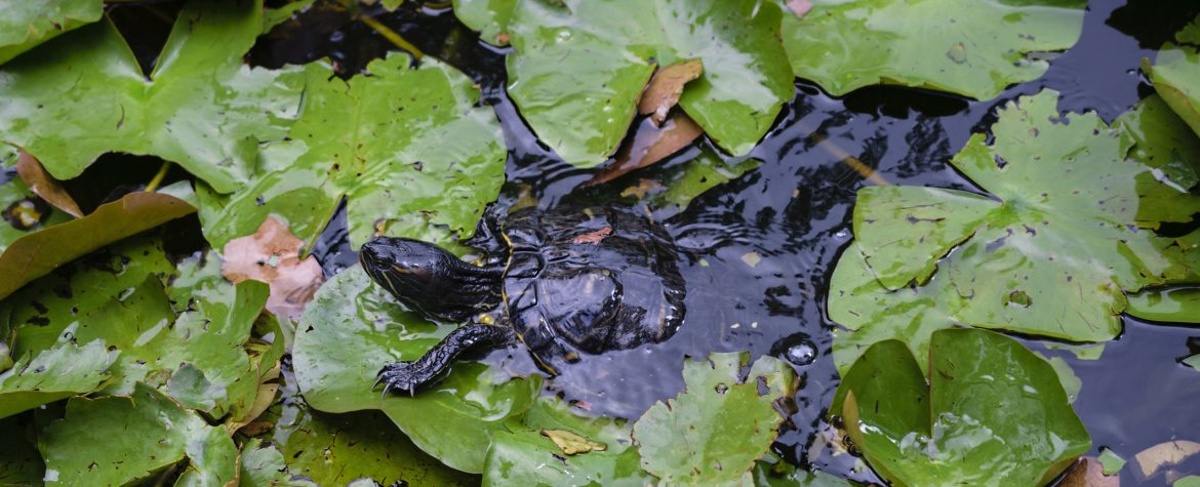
x=1018 y=299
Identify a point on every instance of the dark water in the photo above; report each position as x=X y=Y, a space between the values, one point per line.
x=793 y=215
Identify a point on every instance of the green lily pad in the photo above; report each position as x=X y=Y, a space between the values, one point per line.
x=59 y=372
x=488 y=17
x=1112 y=462
x=1055 y=254
x=407 y=147
x=717 y=429
x=24 y=25
x=579 y=67
x=118 y=440
x=992 y=412
x=199 y=357
x=1163 y=141
x=329 y=449
x=1174 y=74
x=84 y=94
x=1173 y=305
x=353 y=327
x=525 y=456
x=867 y=312
x=970 y=48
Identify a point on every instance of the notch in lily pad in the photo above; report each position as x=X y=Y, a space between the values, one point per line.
x=990 y=411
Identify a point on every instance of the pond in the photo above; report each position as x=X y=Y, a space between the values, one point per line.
x=760 y=236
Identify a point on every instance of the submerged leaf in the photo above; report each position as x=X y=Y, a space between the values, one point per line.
x=200 y=107
x=715 y=431
x=992 y=413
x=120 y=440
x=970 y=48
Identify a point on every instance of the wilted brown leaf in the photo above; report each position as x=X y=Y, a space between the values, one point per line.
x=43 y=184
x=665 y=87
x=1166 y=454
x=650 y=144
x=1088 y=472
x=272 y=255
x=36 y=254
x=571 y=443
x=592 y=237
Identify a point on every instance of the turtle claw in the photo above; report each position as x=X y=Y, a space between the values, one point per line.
x=401 y=376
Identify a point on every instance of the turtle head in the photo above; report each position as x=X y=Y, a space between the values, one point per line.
x=430 y=280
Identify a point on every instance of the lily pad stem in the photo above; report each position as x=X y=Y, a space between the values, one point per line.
x=391 y=35
x=867 y=172
x=152 y=186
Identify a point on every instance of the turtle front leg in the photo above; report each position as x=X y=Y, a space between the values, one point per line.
x=409 y=376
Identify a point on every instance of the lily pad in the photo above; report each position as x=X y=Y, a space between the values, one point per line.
x=198 y=357
x=1163 y=141
x=353 y=327
x=526 y=456
x=119 y=440
x=1174 y=305
x=1055 y=254
x=1174 y=74
x=488 y=17
x=24 y=25
x=329 y=449
x=579 y=67
x=419 y=159
x=970 y=48
x=867 y=312
x=56 y=373
x=84 y=94
x=25 y=213
x=992 y=412
x=717 y=429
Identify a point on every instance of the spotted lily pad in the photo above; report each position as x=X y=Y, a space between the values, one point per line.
x=419 y=159
x=715 y=431
x=990 y=412
x=1056 y=250
x=61 y=371
x=195 y=350
x=579 y=67
x=352 y=328
x=120 y=440
x=201 y=106
x=970 y=48
x=527 y=456
x=24 y=24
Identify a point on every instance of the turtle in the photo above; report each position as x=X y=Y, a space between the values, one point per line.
x=564 y=282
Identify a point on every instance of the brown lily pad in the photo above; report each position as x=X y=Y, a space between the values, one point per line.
x=272 y=255
x=36 y=254
x=650 y=144
x=664 y=89
x=43 y=184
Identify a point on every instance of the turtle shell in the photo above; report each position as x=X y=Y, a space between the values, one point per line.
x=590 y=280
